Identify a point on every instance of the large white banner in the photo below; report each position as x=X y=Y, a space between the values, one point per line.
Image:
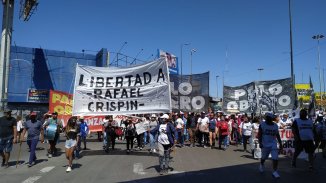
x=113 y=91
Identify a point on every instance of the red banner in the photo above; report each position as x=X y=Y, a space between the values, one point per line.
x=61 y=102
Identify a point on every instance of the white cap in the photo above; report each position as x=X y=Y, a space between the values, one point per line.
x=81 y=117
x=165 y=116
x=153 y=116
x=181 y=112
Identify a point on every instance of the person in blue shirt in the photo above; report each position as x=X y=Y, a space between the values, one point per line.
x=34 y=128
x=83 y=132
x=167 y=136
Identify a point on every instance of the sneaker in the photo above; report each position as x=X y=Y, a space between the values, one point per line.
x=161 y=172
x=29 y=165
x=261 y=168
x=276 y=175
x=166 y=171
x=154 y=150
x=128 y=151
x=205 y=147
x=68 y=169
x=49 y=155
x=140 y=148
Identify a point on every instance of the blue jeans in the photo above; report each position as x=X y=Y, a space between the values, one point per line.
x=152 y=140
x=180 y=136
x=104 y=139
x=224 y=139
x=145 y=138
x=32 y=146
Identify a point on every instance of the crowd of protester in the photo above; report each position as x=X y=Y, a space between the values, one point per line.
x=161 y=133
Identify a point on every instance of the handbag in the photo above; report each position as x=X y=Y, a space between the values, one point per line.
x=118 y=132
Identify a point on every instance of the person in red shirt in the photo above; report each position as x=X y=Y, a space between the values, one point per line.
x=223 y=131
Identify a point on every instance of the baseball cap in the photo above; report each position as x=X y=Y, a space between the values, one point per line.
x=33 y=114
x=165 y=116
x=153 y=116
x=81 y=117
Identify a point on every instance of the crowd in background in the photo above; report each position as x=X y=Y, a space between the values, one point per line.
x=160 y=132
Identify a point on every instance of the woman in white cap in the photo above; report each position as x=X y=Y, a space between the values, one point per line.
x=166 y=139
x=152 y=138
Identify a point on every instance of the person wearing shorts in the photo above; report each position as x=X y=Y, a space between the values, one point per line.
x=302 y=129
x=212 y=129
x=268 y=136
x=72 y=131
x=8 y=136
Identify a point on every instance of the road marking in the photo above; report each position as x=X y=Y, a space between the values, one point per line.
x=47 y=169
x=32 y=179
x=176 y=172
x=139 y=169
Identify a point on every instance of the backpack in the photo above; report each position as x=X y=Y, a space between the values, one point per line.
x=224 y=126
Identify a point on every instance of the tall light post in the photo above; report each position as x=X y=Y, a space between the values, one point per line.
x=191 y=52
x=260 y=70
x=318 y=37
x=217 y=86
x=291 y=47
x=181 y=48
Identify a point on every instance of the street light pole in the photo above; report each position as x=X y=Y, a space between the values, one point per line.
x=217 y=86
x=191 y=52
x=291 y=47
x=183 y=44
x=318 y=37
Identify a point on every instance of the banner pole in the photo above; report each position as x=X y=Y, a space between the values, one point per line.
x=169 y=84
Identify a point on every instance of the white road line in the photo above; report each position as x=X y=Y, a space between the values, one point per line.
x=32 y=179
x=176 y=172
x=46 y=169
x=139 y=169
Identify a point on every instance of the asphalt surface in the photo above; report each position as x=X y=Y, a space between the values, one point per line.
x=189 y=164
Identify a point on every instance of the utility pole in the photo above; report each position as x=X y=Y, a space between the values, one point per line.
x=6 y=35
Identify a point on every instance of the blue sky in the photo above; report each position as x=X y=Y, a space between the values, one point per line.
x=254 y=33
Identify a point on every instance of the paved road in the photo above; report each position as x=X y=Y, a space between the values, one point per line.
x=189 y=165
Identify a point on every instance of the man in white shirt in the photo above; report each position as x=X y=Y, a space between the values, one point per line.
x=180 y=127
x=202 y=125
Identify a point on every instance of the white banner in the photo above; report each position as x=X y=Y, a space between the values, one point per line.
x=113 y=91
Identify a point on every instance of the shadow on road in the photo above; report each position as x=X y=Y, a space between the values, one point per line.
x=245 y=173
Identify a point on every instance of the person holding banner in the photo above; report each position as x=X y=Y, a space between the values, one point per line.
x=34 y=129
x=110 y=127
x=140 y=129
x=167 y=136
x=302 y=130
x=130 y=134
x=267 y=135
x=72 y=131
